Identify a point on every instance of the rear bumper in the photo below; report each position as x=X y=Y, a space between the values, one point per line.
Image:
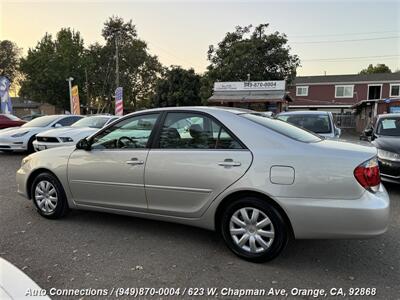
x=365 y=217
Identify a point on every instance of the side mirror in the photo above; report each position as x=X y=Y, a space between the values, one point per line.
x=368 y=132
x=83 y=144
x=57 y=125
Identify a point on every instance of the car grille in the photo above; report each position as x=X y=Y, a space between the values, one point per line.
x=47 y=139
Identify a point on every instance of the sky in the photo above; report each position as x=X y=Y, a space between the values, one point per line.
x=330 y=37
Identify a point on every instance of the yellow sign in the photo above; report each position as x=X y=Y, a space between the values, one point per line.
x=76 y=109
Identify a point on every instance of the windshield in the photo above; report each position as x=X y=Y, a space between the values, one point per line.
x=389 y=127
x=93 y=122
x=284 y=128
x=41 y=121
x=315 y=123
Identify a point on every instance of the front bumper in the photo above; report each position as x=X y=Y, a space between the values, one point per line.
x=365 y=217
x=22 y=178
x=39 y=146
x=12 y=144
x=390 y=170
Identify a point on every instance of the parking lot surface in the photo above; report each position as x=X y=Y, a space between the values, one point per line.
x=98 y=250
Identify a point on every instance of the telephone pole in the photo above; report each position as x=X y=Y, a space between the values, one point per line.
x=116 y=62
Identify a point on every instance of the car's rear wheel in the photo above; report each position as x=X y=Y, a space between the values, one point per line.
x=253 y=229
x=48 y=196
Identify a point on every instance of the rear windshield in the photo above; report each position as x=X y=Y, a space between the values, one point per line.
x=389 y=126
x=313 y=122
x=41 y=121
x=284 y=128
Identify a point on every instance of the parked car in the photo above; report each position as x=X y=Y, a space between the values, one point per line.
x=31 y=117
x=254 y=179
x=21 y=138
x=16 y=284
x=7 y=121
x=320 y=122
x=385 y=136
x=68 y=136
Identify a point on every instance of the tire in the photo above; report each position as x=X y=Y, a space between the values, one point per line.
x=47 y=188
x=273 y=231
x=30 y=148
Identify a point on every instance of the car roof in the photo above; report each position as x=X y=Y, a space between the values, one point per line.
x=233 y=110
x=391 y=115
x=303 y=112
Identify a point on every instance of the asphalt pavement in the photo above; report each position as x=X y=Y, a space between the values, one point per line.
x=105 y=251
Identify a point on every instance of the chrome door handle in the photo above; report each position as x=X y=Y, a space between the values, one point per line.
x=134 y=162
x=229 y=163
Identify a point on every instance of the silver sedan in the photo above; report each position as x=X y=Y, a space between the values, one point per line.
x=257 y=181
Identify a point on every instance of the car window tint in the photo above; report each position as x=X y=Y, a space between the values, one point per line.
x=131 y=133
x=389 y=126
x=194 y=131
x=68 y=121
x=315 y=123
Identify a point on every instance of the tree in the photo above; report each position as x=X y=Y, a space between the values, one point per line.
x=250 y=52
x=379 y=68
x=178 y=87
x=9 y=59
x=138 y=70
x=47 y=66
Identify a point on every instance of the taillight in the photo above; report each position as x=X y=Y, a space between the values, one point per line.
x=367 y=174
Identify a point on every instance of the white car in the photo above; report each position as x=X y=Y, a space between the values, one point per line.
x=319 y=122
x=71 y=135
x=15 y=284
x=21 y=138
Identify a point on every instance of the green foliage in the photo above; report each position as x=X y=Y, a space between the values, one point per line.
x=177 y=87
x=9 y=59
x=379 y=68
x=138 y=69
x=249 y=52
x=49 y=64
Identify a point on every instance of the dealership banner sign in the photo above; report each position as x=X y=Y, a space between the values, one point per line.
x=119 y=103
x=6 y=105
x=277 y=85
x=76 y=108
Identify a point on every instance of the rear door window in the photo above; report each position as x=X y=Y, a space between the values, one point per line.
x=195 y=131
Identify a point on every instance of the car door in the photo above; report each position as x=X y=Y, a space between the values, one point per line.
x=194 y=159
x=110 y=174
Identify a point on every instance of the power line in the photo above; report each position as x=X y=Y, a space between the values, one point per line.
x=341 y=34
x=344 y=41
x=354 y=57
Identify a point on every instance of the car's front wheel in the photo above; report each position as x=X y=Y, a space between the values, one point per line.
x=48 y=196
x=253 y=229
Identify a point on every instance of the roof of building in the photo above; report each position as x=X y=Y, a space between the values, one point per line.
x=350 y=78
x=250 y=96
x=19 y=102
